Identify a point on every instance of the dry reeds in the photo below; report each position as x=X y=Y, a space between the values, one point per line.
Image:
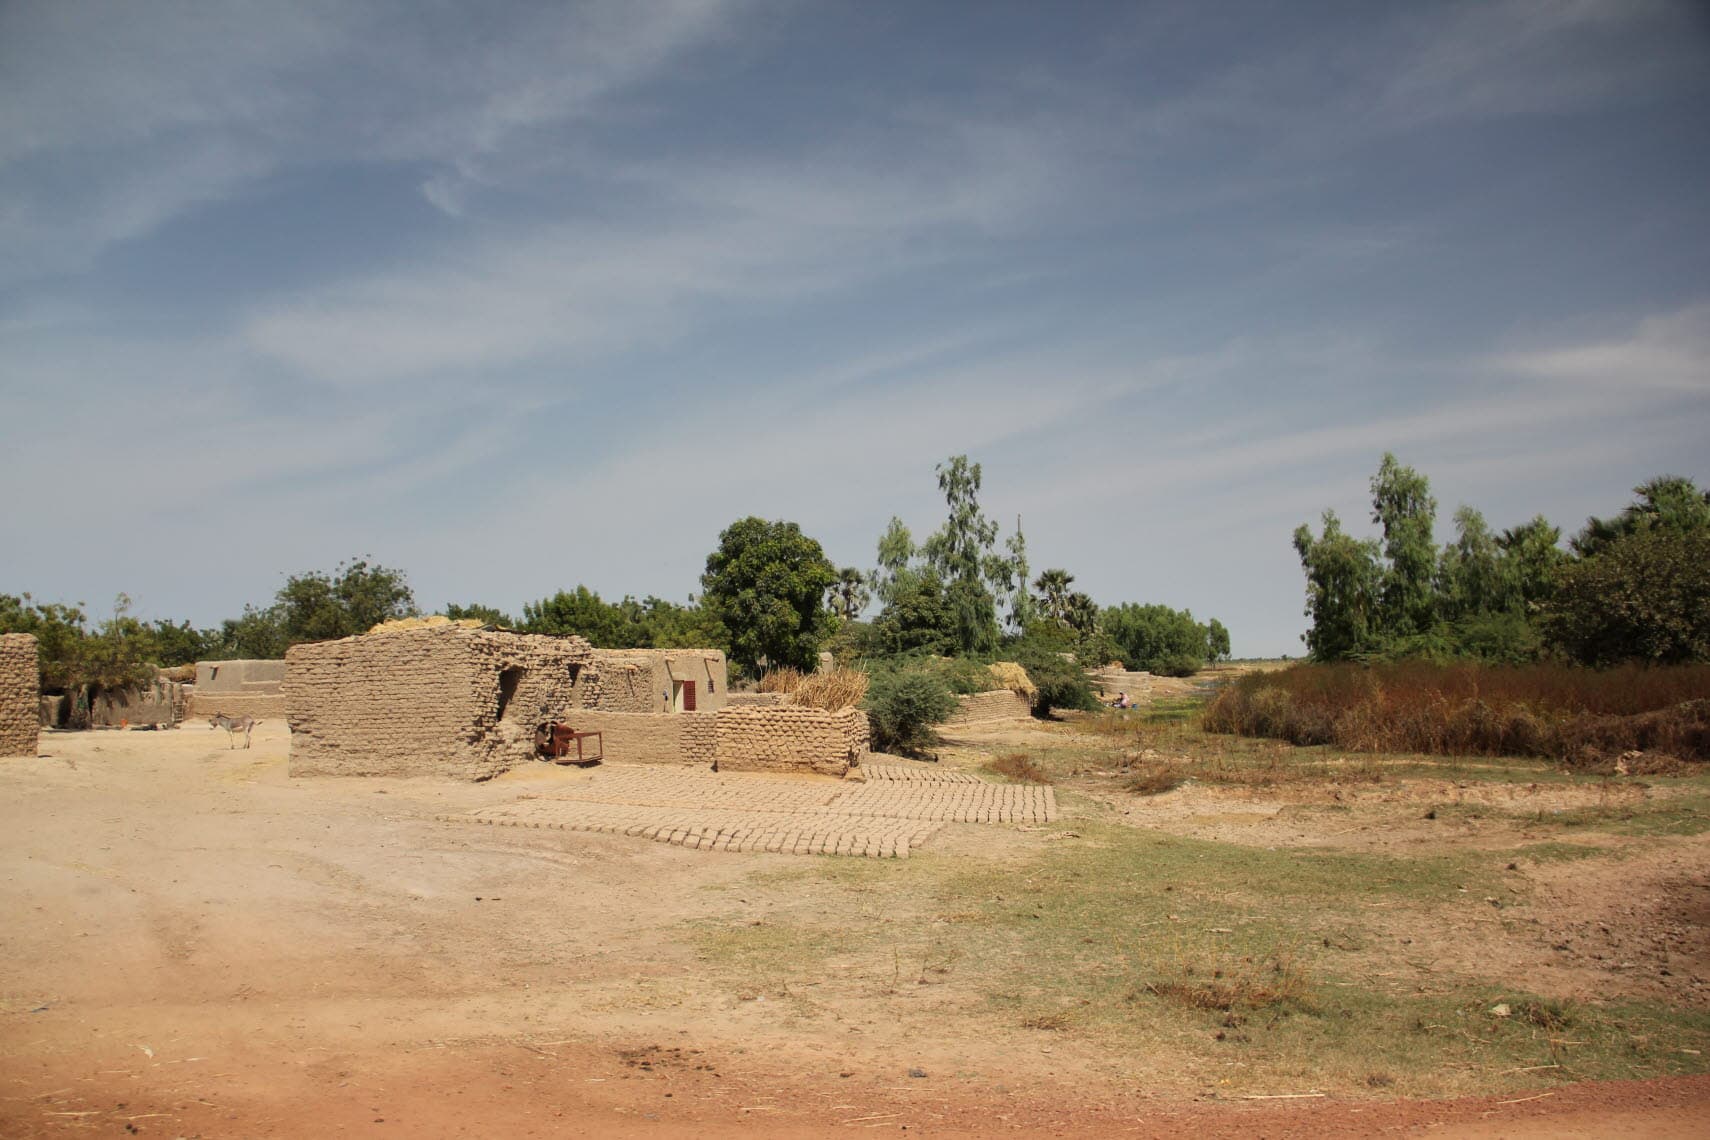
x=1013 y=677
x=832 y=690
x=1579 y=716
x=781 y=680
x=1019 y=767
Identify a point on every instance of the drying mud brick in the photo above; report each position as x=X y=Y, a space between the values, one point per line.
x=20 y=695
x=445 y=700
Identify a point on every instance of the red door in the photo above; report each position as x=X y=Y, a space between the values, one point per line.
x=688 y=696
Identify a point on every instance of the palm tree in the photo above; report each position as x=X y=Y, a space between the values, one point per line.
x=1053 y=587
x=848 y=595
x=1081 y=613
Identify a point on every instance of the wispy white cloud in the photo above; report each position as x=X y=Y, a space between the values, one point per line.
x=1667 y=353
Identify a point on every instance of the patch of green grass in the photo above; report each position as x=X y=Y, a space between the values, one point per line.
x=1559 y=852
x=1206 y=953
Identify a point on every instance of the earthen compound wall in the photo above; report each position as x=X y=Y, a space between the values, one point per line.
x=425 y=701
x=790 y=738
x=648 y=738
x=20 y=695
x=989 y=707
x=649 y=677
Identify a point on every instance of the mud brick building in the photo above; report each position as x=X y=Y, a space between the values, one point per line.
x=445 y=700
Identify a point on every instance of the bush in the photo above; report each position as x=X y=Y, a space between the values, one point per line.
x=1644 y=597
x=903 y=706
x=1177 y=665
x=1061 y=683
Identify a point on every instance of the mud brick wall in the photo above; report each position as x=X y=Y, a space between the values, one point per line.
x=790 y=738
x=988 y=707
x=425 y=701
x=20 y=695
x=261 y=706
x=648 y=738
x=617 y=685
x=752 y=700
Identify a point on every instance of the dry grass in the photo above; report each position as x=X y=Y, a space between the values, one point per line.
x=1580 y=716
x=432 y=621
x=1019 y=767
x=781 y=680
x=832 y=690
x=1247 y=984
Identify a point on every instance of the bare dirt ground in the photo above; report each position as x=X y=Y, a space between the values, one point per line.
x=193 y=944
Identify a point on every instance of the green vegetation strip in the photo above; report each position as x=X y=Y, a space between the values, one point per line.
x=1263 y=966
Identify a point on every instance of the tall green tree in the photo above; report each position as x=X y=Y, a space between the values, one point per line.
x=1531 y=556
x=1470 y=578
x=766 y=583
x=1402 y=505
x=917 y=618
x=962 y=551
x=1343 y=579
x=896 y=552
x=1216 y=641
x=1015 y=580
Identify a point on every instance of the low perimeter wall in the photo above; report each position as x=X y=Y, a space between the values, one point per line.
x=648 y=738
x=987 y=708
x=20 y=695
x=790 y=738
x=782 y=739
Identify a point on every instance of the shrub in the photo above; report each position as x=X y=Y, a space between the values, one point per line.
x=1177 y=665
x=1060 y=683
x=903 y=706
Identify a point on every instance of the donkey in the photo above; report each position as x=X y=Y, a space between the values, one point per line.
x=233 y=725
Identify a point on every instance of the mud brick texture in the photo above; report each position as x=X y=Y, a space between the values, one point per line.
x=757 y=812
x=790 y=738
x=20 y=695
x=446 y=701
x=989 y=708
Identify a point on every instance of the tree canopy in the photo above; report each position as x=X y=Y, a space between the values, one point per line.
x=765 y=582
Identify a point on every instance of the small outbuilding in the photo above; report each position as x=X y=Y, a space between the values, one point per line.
x=20 y=695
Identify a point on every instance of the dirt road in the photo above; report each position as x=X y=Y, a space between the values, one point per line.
x=194 y=944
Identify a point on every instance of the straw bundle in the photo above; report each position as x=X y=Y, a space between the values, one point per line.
x=832 y=690
x=1014 y=678
x=781 y=680
x=432 y=621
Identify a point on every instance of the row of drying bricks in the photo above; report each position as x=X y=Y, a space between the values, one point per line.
x=779 y=834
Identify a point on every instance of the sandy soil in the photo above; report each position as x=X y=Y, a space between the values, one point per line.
x=194 y=944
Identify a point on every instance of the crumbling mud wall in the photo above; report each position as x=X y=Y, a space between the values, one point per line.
x=989 y=708
x=648 y=738
x=20 y=695
x=790 y=738
x=239 y=688
x=441 y=700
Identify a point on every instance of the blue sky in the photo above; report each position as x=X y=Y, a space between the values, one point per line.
x=517 y=296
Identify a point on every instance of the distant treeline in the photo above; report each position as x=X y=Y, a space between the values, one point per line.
x=1634 y=587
